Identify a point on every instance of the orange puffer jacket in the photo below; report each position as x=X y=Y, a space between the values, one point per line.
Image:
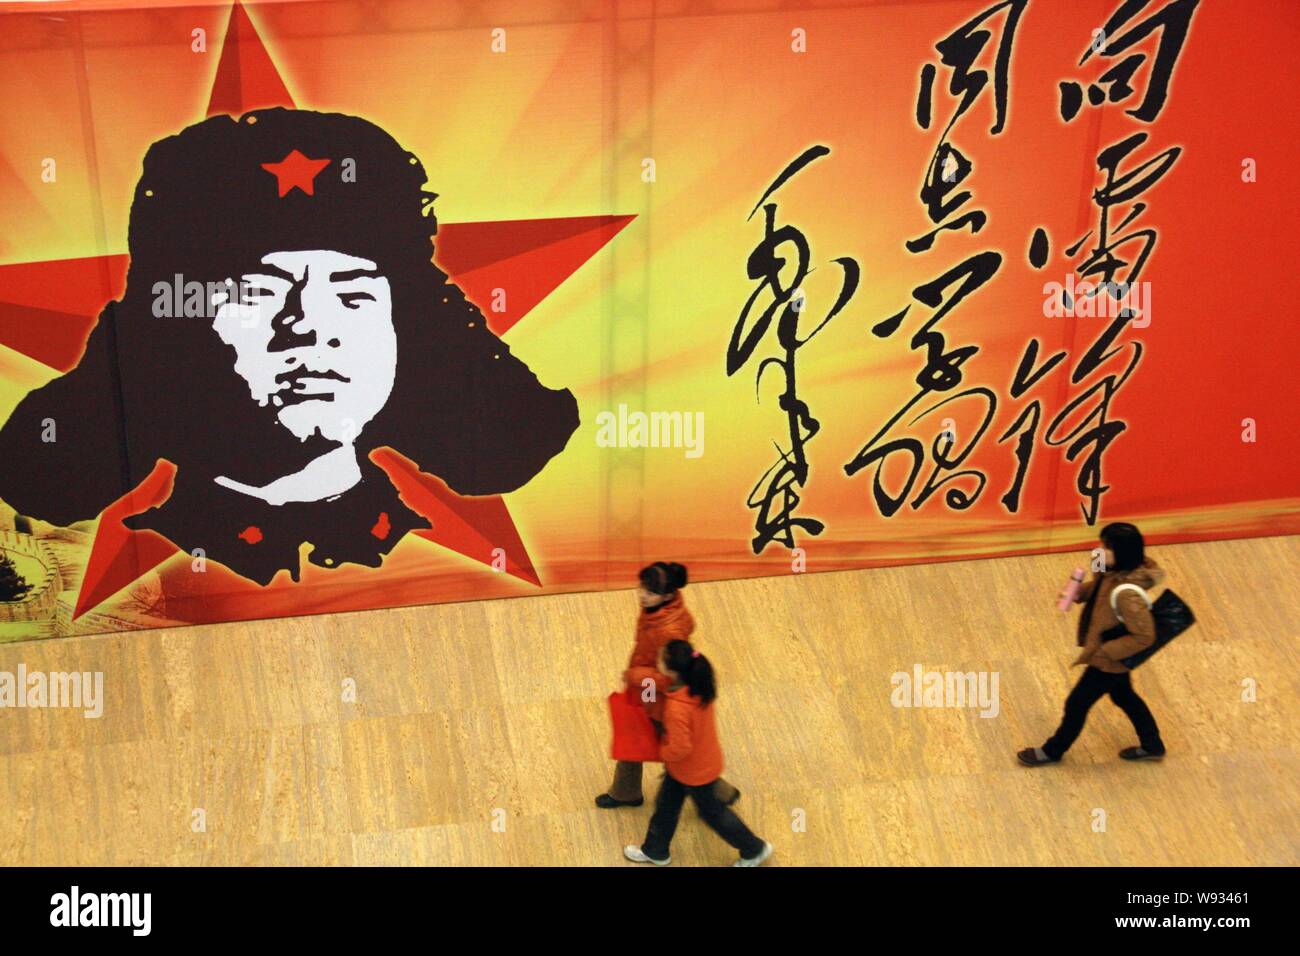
x=690 y=749
x=654 y=629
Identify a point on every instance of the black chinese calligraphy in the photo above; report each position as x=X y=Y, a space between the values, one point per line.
x=781 y=263
x=942 y=373
x=1115 y=85
x=949 y=168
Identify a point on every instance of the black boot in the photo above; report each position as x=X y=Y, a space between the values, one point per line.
x=1029 y=757
x=1137 y=753
x=606 y=802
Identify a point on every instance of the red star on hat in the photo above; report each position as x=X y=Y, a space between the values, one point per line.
x=296 y=170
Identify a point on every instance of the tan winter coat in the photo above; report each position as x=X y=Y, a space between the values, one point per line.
x=1137 y=617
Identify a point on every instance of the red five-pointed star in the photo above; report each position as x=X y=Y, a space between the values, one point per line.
x=296 y=171
x=47 y=310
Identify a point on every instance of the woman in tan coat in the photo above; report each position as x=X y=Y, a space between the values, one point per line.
x=1126 y=563
x=663 y=618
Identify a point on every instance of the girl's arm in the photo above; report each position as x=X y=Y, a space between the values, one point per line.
x=1085 y=590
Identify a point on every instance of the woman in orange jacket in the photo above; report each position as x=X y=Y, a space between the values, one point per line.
x=693 y=761
x=663 y=618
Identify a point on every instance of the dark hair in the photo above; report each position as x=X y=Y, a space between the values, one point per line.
x=663 y=577
x=1125 y=540
x=693 y=668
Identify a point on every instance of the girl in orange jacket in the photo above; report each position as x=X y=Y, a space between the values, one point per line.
x=693 y=762
x=663 y=618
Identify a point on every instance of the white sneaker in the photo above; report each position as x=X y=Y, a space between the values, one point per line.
x=759 y=860
x=633 y=853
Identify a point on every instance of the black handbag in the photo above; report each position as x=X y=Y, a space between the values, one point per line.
x=1171 y=615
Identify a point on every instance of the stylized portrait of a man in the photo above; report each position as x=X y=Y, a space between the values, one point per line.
x=325 y=331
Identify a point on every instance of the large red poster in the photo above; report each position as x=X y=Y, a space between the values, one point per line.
x=320 y=306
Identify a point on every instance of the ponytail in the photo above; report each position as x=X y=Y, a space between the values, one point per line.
x=693 y=668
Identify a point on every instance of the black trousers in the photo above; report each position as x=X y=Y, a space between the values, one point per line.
x=719 y=817
x=1092 y=686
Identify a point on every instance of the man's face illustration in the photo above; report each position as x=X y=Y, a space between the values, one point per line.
x=313 y=338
